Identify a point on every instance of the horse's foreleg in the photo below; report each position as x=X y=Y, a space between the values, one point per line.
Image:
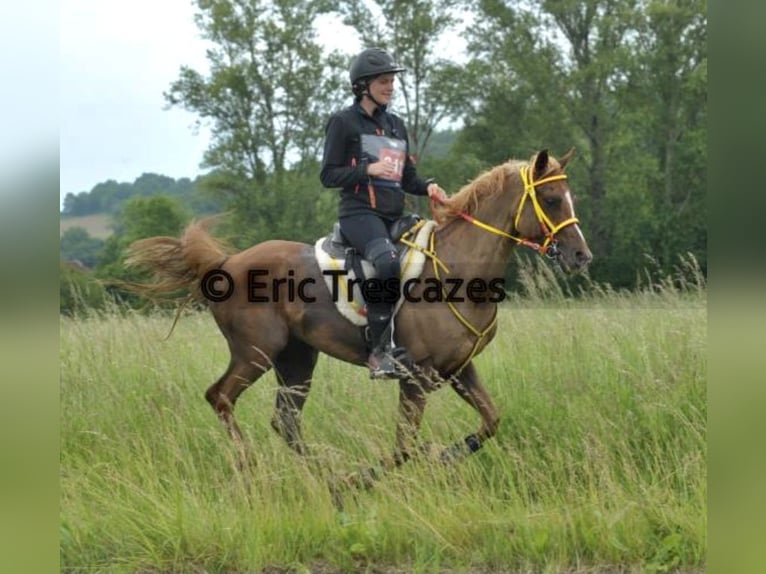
x=412 y=403
x=468 y=386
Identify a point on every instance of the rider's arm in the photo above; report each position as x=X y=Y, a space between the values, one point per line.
x=340 y=167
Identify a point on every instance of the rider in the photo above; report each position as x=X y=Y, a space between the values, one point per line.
x=366 y=153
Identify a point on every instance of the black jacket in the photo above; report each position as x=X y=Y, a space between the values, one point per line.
x=343 y=167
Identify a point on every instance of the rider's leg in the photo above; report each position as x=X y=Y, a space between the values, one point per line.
x=368 y=234
x=382 y=253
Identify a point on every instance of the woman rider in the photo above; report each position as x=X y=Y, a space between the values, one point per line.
x=366 y=154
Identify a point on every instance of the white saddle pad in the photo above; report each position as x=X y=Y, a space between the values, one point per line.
x=412 y=261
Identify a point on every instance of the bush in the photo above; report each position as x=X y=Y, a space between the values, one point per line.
x=79 y=290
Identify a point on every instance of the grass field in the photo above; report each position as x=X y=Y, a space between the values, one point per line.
x=599 y=464
x=97 y=225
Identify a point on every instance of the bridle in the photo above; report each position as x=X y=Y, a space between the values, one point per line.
x=549 y=247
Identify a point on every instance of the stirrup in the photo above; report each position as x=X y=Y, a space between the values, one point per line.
x=382 y=365
x=389 y=363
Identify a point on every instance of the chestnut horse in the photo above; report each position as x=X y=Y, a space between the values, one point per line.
x=518 y=202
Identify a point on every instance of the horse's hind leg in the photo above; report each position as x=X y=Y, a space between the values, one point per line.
x=222 y=395
x=468 y=386
x=294 y=367
x=249 y=361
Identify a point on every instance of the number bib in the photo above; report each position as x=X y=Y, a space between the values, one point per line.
x=383 y=148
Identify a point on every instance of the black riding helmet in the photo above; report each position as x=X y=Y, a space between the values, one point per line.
x=368 y=64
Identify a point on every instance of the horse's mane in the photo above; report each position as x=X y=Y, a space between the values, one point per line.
x=468 y=198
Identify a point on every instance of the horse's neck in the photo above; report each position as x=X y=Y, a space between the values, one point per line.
x=470 y=251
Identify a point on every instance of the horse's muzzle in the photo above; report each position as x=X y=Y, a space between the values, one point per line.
x=576 y=261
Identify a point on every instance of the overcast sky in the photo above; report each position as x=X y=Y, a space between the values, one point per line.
x=116 y=60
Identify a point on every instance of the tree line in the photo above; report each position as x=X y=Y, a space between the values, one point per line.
x=622 y=81
x=108 y=197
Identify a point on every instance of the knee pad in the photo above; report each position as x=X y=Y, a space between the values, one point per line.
x=382 y=254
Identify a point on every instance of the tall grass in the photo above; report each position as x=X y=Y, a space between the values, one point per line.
x=600 y=461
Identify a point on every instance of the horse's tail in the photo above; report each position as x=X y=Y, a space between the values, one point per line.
x=176 y=264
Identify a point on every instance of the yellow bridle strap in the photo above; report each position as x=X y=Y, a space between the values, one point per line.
x=496 y=231
x=549 y=228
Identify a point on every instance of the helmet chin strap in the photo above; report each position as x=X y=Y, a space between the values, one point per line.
x=369 y=95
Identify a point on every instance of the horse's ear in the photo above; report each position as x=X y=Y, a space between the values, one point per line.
x=541 y=162
x=564 y=159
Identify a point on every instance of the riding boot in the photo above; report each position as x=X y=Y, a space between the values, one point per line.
x=381 y=361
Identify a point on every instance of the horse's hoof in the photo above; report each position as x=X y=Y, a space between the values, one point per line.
x=452 y=454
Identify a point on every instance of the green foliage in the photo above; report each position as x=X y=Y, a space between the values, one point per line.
x=76 y=244
x=267 y=96
x=79 y=291
x=269 y=87
x=441 y=142
x=674 y=100
x=624 y=83
x=108 y=196
x=453 y=170
x=293 y=206
x=103 y=198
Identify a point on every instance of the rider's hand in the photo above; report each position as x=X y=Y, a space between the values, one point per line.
x=384 y=169
x=435 y=191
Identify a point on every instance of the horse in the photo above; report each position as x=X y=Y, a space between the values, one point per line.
x=525 y=203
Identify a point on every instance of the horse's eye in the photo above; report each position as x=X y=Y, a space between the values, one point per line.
x=552 y=201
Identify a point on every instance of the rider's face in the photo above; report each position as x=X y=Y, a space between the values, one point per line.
x=382 y=88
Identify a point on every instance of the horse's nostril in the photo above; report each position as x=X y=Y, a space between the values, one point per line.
x=583 y=258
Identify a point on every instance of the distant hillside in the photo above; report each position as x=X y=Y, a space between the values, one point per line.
x=440 y=143
x=97 y=225
x=108 y=196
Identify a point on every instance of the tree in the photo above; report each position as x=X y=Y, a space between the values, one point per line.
x=269 y=86
x=569 y=55
x=599 y=34
x=108 y=196
x=76 y=244
x=526 y=92
x=623 y=81
x=142 y=217
x=152 y=184
x=674 y=78
x=267 y=96
x=105 y=197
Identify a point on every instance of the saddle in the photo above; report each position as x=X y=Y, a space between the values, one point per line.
x=343 y=266
x=336 y=245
